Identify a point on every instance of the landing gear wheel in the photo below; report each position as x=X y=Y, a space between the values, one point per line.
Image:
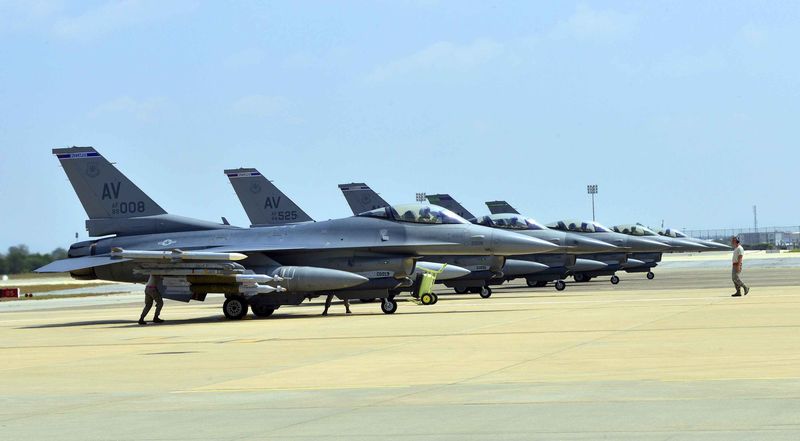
x=435 y=299
x=262 y=311
x=614 y=280
x=388 y=306
x=426 y=299
x=485 y=292
x=235 y=308
x=650 y=275
x=460 y=290
x=580 y=278
x=560 y=285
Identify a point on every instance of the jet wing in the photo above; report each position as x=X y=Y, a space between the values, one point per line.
x=77 y=263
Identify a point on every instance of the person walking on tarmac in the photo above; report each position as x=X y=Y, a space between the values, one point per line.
x=151 y=295
x=328 y=304
x=738 y=256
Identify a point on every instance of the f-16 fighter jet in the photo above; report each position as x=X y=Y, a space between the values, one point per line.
x=266 y=205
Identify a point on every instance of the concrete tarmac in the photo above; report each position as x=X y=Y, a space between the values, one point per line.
x=672 y=358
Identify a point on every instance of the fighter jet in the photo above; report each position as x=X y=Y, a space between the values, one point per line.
x=559 y=263
x=266 y=205
x=260 y=268
x=651 y=260
x=677 y=234
x=483 y=269
x=615 y=261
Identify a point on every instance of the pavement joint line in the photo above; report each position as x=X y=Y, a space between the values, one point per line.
x=392 y=336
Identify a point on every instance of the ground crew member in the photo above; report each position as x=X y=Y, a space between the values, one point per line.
x=151 y=295
x=736 y=271
x=328 y=305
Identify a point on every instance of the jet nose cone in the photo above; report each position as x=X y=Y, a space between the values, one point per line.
x=646 y=246
x=582 y=244
x=687 y=245
x=448 y=272
x=505 y=243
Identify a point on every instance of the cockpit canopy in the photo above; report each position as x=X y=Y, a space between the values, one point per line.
x=579 y=226
x=634 y=230
x=416 y=213
x=671 y=232
x=510 y=221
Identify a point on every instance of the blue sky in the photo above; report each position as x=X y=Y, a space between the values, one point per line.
x=682 y=111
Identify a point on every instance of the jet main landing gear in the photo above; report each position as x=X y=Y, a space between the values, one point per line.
x=650 y=275
x=388 y=306
x=614 y=280
x=235 y=308
x=560 y=285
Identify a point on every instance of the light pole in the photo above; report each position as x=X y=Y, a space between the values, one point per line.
x=592 y=190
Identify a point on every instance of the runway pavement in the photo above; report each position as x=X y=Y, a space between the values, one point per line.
x=666 y=359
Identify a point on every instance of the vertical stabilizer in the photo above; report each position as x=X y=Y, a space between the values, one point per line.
x=361 y=198
x=263 y=202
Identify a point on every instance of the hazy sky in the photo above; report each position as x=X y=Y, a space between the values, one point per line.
x=682 y=111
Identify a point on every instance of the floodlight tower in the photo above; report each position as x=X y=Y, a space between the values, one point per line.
x=592 y=190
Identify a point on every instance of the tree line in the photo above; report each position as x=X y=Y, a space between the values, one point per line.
x=19 y=259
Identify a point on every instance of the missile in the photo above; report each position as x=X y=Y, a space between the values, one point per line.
x=266 y=289
x=174 y=255
x=257 y=278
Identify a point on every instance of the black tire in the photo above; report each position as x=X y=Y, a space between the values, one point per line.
x=235 y=308
x=485 y=292
x=580 y=278
x=560 y=285
x=460 y=290
x=614 y=280
x=262 y=311
x=388 y=306
x=426 y=299
x=650 y=275
x=435 y=299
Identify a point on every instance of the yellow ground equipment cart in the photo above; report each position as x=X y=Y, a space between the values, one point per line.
x=423 y=286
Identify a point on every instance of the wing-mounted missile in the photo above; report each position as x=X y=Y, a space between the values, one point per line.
x=176 y=255
x=185 y=281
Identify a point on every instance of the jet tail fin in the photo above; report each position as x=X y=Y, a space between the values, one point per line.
x=103 y=190
x=361 y=198
x=263 y=202
x=447 y=201
x=496 y=207
x=113 y=203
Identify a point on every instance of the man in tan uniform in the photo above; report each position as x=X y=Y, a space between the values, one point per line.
x=328 y=304
x=151 y=295
x=738 y=256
